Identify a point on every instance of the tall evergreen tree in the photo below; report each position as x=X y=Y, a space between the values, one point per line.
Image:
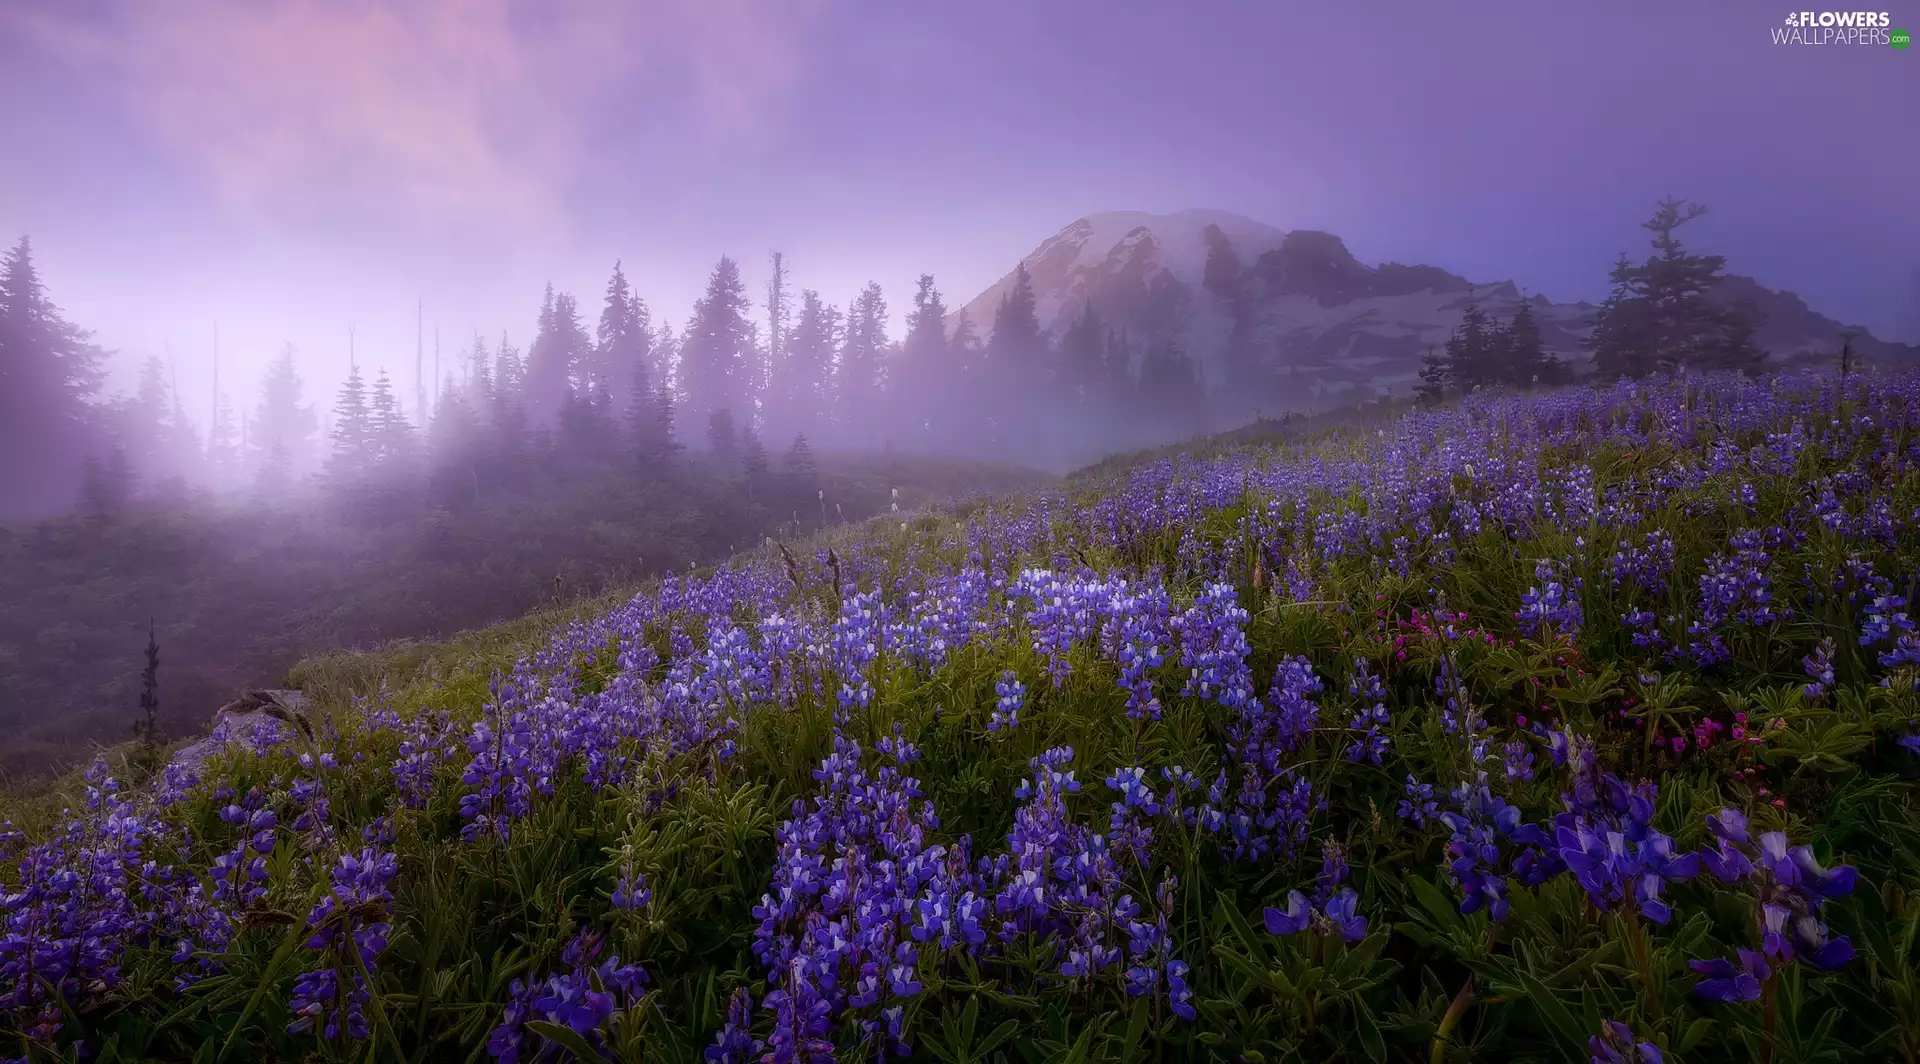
x=860 y=379
x=1170 y=386
x=560 y=354
x=352 y=461
x=50 y=376
x=1436 y=377
x=280 y=435
x=1472 y=355
x=801 y=383
x=1016 y=358
x=798 y=469
x=622 y=340
x=507 y=416
x=1526 y=361
x=929 y=379
x=1082 y=363
x=1661 y=316
x=715 y=350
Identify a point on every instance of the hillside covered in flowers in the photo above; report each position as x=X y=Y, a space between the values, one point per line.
x=1579 y=725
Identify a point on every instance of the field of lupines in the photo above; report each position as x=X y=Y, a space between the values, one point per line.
x=1567 y=727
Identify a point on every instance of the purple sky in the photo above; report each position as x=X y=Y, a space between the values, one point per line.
x=292 y=168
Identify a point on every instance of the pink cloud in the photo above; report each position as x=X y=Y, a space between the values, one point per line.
x=458 y=111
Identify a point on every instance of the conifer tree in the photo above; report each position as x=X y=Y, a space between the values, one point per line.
x=798 y=468
x=753 y=465
x=280 y=434
x=1082 y=365
x=1015 y=360
x=722 y=436
x=1661 y=316
x=1527 y=361
x=50 y=374
x=715 y=350
x=1436 y=376
x=801 y=379
x=862 y=361
x=929 y=378
x=623 y=339
x=352 y=434
x=1471 y=353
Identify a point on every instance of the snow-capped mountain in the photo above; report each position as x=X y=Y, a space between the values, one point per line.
x=1326 y=325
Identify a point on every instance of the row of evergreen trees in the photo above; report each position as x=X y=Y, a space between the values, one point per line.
x=632 y=393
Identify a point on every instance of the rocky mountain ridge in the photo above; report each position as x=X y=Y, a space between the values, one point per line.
x=1325 y=326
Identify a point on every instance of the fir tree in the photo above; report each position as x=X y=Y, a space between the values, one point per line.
x=1471 y=354
x=507 y=417
x=50 y=373
x=281 y=432
x=623 y=340
x=722 y=437
x=352 y=434
x=800 y=388
x=797 y=467
x=1015 y=360
x=929 y=378
x=1436 y=377
x=1527 y=361
x=715 y=350
x=862 y=361
x=1661 y=317
x=753 y=464
x=1082 y=365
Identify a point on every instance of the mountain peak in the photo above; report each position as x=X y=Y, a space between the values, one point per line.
x=1315 y=322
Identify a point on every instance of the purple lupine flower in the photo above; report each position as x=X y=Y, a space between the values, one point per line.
x=1729 y=981
x=1615 y=1045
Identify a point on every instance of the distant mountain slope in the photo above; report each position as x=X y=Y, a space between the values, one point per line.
x=1324 y=324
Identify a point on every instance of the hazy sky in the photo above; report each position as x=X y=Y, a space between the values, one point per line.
x=290 y=168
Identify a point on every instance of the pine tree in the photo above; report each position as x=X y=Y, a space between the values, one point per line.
x=798 y=469
x=800 y=388
x=1082 y=367
x=622 y=340
x=390 y=433
x=860 y=379
x=560 y=357
x=1015 y=364
x=1660 y=316
x=1527 y=361
x=753 y=465
x=722 y=437
x=453 y=448
x=929 y=378
x=50 y=373
x=1471 y=354
x=507 y=418
x=715 y=350
x=1436 y=377
x=280 y=434
x=1170 y=387
x=479 y=377
x=352 y=461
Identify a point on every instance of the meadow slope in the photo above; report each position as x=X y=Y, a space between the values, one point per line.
x=1567 y=726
